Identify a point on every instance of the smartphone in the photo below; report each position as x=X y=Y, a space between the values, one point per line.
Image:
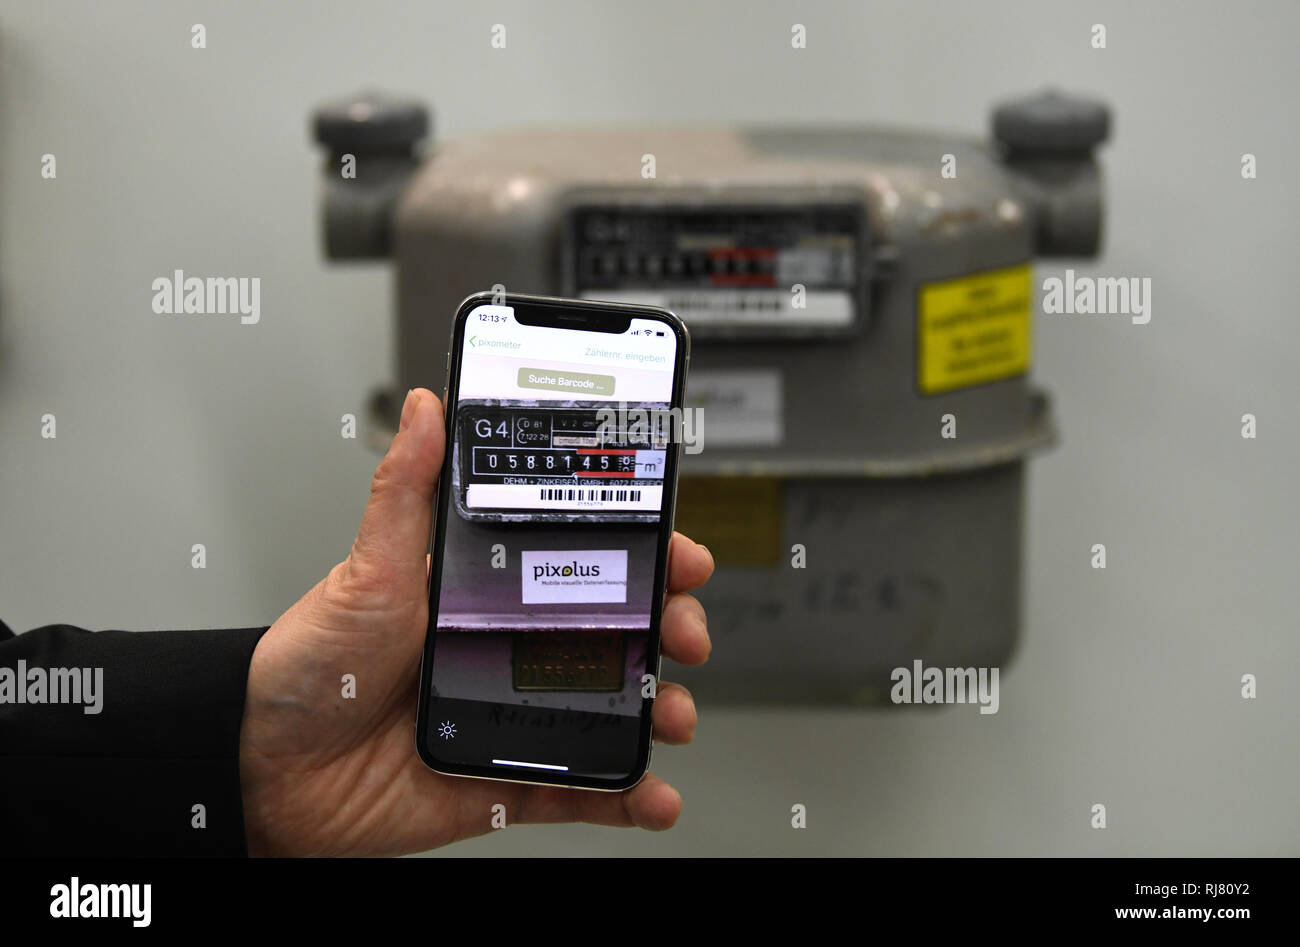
x=550 y=540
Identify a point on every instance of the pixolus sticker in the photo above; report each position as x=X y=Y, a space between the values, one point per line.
x=574 y=575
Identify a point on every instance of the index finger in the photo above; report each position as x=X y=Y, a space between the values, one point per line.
x=689 y=564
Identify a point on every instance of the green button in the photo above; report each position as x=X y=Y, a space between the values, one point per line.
x=577 y=383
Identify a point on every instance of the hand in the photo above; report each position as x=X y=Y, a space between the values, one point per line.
x=325 y=775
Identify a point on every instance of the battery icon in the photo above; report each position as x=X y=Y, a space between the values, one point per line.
x=658 y=333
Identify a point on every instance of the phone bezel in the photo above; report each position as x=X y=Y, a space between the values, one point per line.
x=549 y=306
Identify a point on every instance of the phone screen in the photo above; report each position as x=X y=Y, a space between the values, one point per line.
x=550 y=541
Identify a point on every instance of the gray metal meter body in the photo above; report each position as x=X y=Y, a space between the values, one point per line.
x=861 y=308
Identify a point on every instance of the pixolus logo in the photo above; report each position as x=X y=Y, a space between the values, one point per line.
x=566 y=570
x=574 y=575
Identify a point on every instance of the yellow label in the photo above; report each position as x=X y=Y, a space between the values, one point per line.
x=974 y=329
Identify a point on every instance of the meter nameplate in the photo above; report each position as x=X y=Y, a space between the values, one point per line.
x=548 y=462
x=727 y=270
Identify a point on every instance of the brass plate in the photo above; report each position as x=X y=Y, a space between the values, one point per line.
x=738 y=518
x=569 y=660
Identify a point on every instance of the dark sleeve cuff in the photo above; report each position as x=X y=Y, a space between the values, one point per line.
x=123 y=781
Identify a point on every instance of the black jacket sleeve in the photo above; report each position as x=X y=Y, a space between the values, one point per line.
x=126 y=780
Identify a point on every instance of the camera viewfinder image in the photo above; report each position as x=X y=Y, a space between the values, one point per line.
x=557 y=499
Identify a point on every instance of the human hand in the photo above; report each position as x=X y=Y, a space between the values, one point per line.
x=324 y=775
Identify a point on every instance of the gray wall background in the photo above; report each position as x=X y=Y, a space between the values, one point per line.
x=171 y=432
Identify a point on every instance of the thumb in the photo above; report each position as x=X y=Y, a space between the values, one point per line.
x=394 y=535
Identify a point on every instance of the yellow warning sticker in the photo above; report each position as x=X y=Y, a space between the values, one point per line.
x=974 y=329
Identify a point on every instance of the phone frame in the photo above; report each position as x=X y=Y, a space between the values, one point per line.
x=442 y=509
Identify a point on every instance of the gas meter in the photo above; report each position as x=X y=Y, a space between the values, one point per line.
x=861 y=306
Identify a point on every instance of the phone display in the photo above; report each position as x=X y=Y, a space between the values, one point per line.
x=550 y=540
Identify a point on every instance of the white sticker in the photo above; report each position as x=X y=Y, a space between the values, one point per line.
x=761 y=308
x=574 y=575
x=741 y=408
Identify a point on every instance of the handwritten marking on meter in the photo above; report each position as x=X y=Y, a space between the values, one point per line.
x=974 y=329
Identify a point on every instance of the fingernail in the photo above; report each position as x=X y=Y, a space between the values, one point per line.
x=408 y=409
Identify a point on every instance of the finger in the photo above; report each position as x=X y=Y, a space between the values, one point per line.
x=650 y=804
x=674 y=715
x=394 y=533
x=689 y=564
x=684 y=631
